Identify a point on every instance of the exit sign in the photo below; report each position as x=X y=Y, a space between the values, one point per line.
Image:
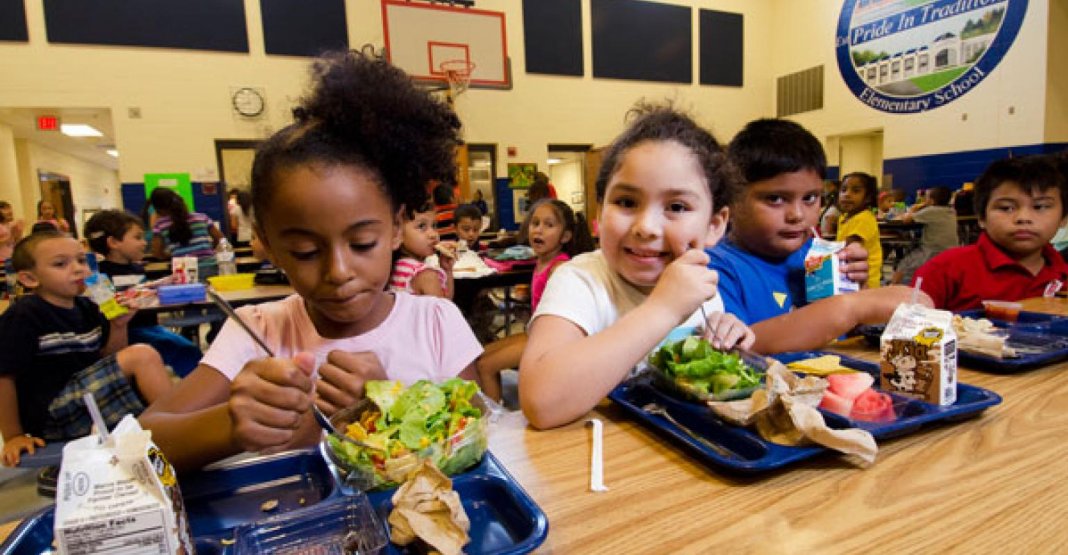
x=47 y=123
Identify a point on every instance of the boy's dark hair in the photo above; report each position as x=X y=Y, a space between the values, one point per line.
x=23 y=256
x=871 y=186
x=108 y=223
x=666 y=123
x=467 y=211
x=170 y=204
x=1033 y=174
x=363 y=112
x=766 y=147
x=939 y=196
x=3 y=204
x=42 y=226
x=443 y=194
x=244 y=201
x=581 y=240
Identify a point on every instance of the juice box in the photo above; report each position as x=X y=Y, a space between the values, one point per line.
x=918 y=355
x=823 y=275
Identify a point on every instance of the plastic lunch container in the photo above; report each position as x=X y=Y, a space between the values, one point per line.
x=344 y=525
x=1002 y=310
x=232 y=282
x=372 y=479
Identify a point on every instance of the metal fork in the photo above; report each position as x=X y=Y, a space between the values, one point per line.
x=654 y=408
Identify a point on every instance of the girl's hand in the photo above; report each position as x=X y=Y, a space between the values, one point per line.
x=725 y=331
x=685 y=284
x=854 y=259
x=341 y=379
x=446 y=255
x=269 y=399
x=14 y=447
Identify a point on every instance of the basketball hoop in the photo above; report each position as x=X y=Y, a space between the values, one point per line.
x=458 y=75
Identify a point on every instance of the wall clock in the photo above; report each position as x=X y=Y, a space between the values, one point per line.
x=248 y=102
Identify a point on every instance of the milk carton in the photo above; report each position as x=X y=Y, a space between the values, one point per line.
x=119 y=496
x=823 y=275
x=918 y=354
x=184 y=269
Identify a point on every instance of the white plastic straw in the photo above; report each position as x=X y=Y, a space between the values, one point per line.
x=916 y=290
x=98 y=419
x=597 y=458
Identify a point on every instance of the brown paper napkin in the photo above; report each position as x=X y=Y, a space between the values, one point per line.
x=426 y=507
x=784 y=412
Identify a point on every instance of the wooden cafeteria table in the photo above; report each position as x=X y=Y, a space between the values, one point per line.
x=995 y=483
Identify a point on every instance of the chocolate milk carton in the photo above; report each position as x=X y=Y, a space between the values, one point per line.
x=918 y=355
x=823 y=275
x=119 y=496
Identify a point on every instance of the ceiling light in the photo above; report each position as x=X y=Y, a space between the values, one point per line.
x=79 y=130
x=113 y=152
x=554 y=161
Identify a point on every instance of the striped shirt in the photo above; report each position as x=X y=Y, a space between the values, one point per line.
x=445 y=221
x=200 y=245
x=407 y=268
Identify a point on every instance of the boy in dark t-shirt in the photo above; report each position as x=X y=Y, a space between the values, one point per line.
x=59 y=346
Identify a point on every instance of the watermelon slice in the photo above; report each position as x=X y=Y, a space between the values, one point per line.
x=873 y=406
x=850 y=386
x=836 y=403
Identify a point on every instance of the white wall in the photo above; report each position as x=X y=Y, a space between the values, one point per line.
x=804 y=37
x=566 y=177
x=184 y=95
x=9 y=173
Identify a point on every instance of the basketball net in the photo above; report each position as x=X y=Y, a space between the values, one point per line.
x=458 y=76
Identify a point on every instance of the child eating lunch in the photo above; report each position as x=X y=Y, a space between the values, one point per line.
x=664 y=188
x=762 y=262
x=419 y=240
x=329 y=192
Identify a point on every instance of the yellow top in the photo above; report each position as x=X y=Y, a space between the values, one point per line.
x=863 y=225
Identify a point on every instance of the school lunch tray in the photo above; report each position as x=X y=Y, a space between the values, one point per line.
x=1041 y=339
x=749 y=453
x=504 y=519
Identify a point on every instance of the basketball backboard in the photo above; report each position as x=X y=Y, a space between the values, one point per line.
x=421 y=36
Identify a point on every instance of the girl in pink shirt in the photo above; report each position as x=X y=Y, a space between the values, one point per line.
x=555 y=234
x=328 y=192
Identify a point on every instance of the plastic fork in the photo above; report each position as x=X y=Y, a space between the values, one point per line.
x=654 y=408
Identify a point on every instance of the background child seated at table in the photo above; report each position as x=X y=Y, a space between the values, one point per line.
x=179 y=232
x=58 y=346
x=761 y=264
x=120 y=238
x=857 y=223
x=556 y=235
x=420 y=240
x=328 y=192
x=664 y=188
x=939 y=231
x=1020 y=203
x=469 y=226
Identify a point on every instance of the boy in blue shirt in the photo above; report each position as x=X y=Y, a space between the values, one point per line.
x=761 y=262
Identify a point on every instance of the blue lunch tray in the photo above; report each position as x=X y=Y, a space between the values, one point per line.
x=742 y=450
x=1041 y=338
x=504 y=519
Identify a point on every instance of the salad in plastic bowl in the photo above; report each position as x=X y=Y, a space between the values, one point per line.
x=690 y=367
x=402 y=425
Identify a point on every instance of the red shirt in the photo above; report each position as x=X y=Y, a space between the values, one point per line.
x=962 y=277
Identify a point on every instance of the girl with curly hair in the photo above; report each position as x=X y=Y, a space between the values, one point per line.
x=329 y=194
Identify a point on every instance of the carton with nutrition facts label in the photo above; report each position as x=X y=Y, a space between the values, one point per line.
x=119 y=495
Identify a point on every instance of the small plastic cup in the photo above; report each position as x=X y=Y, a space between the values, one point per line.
x=1002 y=310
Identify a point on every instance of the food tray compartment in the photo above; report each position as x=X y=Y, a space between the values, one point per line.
x=742 y=450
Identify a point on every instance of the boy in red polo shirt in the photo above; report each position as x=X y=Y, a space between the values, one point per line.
x=1020 y=203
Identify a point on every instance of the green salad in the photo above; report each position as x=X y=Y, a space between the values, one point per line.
x=698 y=370
x=405 y=424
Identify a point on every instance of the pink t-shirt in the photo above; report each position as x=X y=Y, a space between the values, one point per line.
x=540 y=279
x=422 y=338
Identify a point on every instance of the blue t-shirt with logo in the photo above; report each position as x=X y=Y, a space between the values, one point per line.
x=755 y=288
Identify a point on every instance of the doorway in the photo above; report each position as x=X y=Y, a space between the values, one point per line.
x=55 y=188
x=481 y=174
x=863 y=152
x=569 y=175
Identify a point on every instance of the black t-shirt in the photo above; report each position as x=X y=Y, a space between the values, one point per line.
x=113 y=269
x=43 y=345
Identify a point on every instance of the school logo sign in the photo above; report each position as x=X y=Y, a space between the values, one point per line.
x=908 y=56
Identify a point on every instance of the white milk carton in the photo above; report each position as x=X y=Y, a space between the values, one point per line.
x=184 y=269
x=119 y=497
x=823 y=275
x=918 y=354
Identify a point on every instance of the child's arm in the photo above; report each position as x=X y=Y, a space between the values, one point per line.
x=428 y=282
x=814 y=325
x=564 y=373
x=158 y=248
x=119 y=336
x=215 y=234
x=15 y=442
